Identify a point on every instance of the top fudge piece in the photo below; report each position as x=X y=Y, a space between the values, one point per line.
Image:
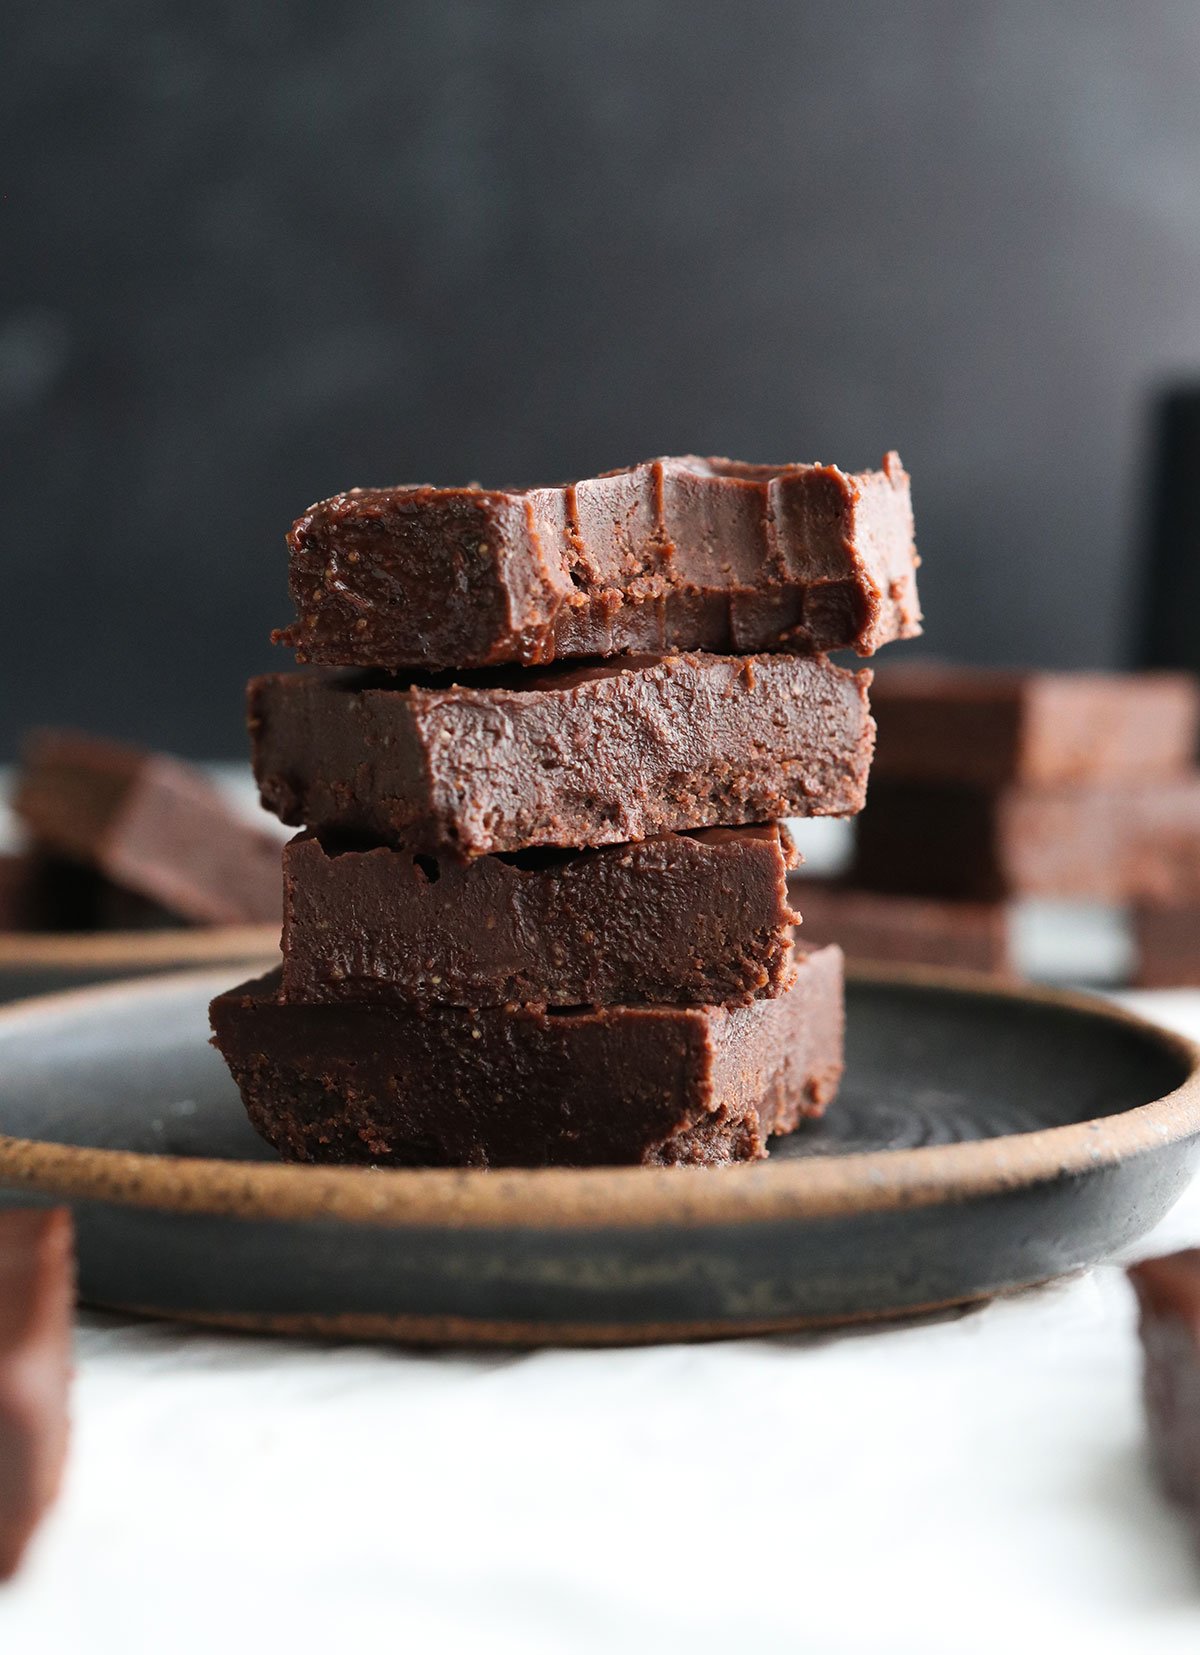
x=152 y=825
x=962 y=724
x=675 y=554
x=571 y=756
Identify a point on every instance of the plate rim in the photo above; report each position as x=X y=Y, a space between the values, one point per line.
x=561 y=1198
x=191 y=945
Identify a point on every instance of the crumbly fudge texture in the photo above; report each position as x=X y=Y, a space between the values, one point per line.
x=523 y=1086
x=577 y=757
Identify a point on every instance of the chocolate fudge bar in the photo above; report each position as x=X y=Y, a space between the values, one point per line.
x=1168 y=1291
x=572 y=756
x=1115 y=843
x=1167 y=945
x=690 y=918
x=527 y=1086
x=43 y=892
x=991 y=728
x=37 y=1299
x=876 y=926
x=150 y=825
x=676 y=554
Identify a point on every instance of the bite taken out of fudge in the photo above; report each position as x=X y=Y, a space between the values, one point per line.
x=674 y=554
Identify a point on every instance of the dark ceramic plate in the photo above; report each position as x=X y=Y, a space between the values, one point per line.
x=985 y=1138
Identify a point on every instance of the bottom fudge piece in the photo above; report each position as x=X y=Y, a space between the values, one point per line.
x=37 y=1298
x=689 y=919
x=1098 y=843
x=1168 y=1291
x=523 y=1086
x=874 y=925
x=1167 y=946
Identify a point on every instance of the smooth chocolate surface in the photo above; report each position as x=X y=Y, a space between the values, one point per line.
x=37 y=1301
x=1119 y=842
x=582 y=756
x=991 y=728
x=1168 y=1291
x=152 y=826
x=875 y=925
x=673 y=554
x=1167 y=945
x=687 y=918
x=523 y=1086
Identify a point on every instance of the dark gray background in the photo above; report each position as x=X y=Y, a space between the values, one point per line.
x=255 y=253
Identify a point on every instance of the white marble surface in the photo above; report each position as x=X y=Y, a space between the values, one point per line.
x=970 y=1484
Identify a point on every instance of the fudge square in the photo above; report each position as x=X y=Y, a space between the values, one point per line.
x=992 y=727
x=675 y=554
x=700 y=918
x=881 y=927
x=570 y=756
x=1168 y=1291
x=37 y=1303
x=1167 y=944
x=1118 y=842
x=149 y=824
x=452 y=1086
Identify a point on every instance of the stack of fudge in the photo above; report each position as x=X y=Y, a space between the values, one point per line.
x=991 y=786
x=538 y=913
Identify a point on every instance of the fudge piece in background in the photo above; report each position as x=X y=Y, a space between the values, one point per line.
x=992 y=727
x=1168 y=1291
x=37 y=1303
x=149 y=825
x=875 y=926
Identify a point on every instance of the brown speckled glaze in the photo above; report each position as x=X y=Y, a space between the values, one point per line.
x=40 y=962
x=986 y=1138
